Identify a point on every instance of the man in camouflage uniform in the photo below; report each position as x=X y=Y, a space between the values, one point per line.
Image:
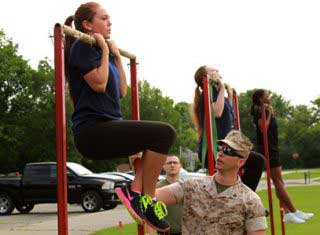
x=172 y=168
x=219 y=204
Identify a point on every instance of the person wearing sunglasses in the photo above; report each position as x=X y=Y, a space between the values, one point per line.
x=219 y=204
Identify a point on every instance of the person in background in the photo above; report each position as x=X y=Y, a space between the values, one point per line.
x=172 y=168
x=261 y=97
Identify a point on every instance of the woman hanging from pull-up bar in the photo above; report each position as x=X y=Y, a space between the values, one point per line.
x=97 y=81
x=223 y=110
x=261 y=97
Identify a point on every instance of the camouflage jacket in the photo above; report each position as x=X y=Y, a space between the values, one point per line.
x=231 y=212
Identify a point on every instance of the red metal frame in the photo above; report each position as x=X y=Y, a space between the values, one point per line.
x=135 y=115
x=237 y=121
x=134 y=90
x=207 y=111
x=283 y=228
x=60 y=131
x=236 y=112
x=266 y=154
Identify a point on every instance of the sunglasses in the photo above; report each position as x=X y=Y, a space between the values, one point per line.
x=174 y=163
x=229 y=151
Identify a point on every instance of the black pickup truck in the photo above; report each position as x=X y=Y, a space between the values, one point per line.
x=38 y=184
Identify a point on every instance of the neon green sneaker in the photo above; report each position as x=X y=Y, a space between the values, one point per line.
x=154 y=212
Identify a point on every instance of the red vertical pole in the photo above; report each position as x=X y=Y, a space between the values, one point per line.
x=266 y=154
x=283 y=228
x=134 y=90
x=207 y=112
x=135 y=114
x=236 y=111
x=237 y=120
x=60 y=131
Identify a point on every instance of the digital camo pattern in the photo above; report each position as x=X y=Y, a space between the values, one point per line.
x=233 y=211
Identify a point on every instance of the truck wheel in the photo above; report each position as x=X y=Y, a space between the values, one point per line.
x=6 y=204
x=91 y=201
x=110 y=206
x=24 y=208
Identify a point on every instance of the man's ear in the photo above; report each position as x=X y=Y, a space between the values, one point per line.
x=87 y=25
x=242 y=162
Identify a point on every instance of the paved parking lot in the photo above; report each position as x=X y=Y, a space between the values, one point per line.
x=42 y=220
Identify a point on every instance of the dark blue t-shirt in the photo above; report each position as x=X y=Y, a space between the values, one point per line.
x=224 y=124
x=90 y=106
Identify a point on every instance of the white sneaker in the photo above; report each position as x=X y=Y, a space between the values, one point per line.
x=291 y=218
x=302 y=215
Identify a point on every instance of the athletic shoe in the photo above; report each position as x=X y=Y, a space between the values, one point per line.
x=302 y=215
x=291 y=218
x=132 y=202
x=154 y=212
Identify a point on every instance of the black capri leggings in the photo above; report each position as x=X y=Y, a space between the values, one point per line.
x=118 y=138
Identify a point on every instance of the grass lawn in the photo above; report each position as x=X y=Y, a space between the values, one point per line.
x=314 y=173
x=130 y=229
x=305 y=198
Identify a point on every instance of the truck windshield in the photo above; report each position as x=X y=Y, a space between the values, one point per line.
x=78 y=169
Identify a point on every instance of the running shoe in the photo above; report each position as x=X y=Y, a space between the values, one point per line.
x=154 y=212
x=303 y=215
x=132 y=202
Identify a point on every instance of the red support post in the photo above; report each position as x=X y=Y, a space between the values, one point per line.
x=207 y=112
x=60 y=131
x=283 y=228
x=266 y=154
x=236 y=111
x=237 y=120
x=135 y=114
x=134 y=90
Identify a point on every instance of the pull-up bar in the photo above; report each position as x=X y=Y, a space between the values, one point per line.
x=91 y=40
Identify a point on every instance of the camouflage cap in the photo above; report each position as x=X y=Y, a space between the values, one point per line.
x=239 y=142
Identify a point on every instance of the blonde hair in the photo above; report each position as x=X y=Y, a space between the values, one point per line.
x=198 y=77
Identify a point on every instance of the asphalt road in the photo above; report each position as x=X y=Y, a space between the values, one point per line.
x=43 y=220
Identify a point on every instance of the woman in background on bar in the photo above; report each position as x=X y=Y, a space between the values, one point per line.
x=261 y=97
x=97 y=81
x=223 y=110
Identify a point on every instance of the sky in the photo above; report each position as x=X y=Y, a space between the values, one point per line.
x=271 y=44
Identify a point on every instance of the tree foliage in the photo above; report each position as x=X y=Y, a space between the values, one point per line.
x=27 y=118
x=298 y=129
